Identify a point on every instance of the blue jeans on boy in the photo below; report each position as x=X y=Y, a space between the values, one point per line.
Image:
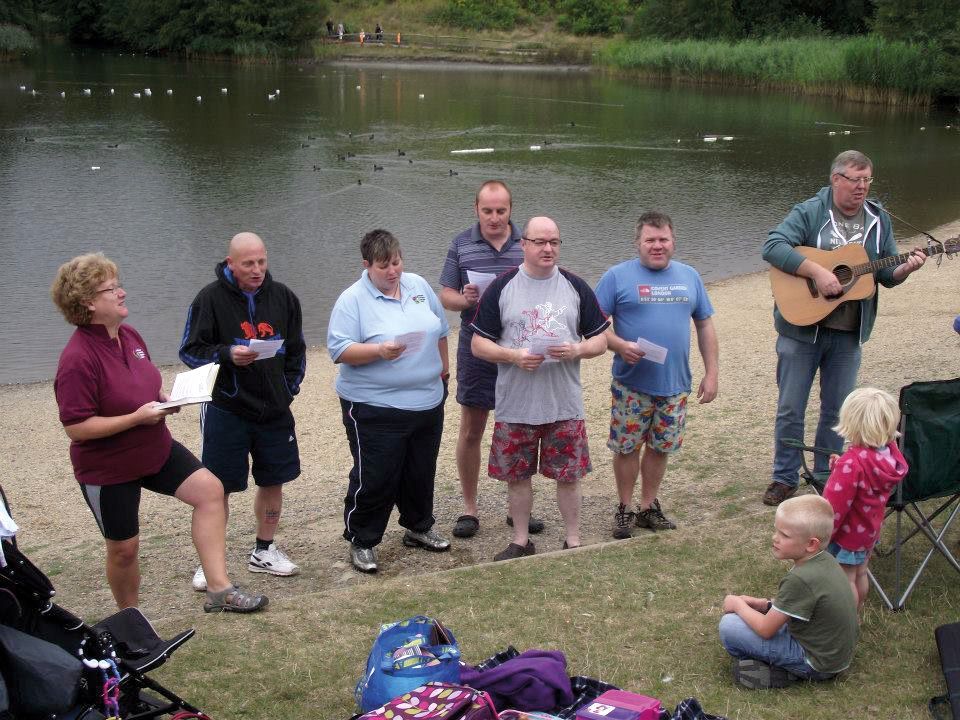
x=781 y=650
x=837 y=355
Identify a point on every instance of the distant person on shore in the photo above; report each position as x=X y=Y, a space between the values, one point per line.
x=651 y=299
x=108 y=391
x=537 y=322
x=388 y=334
x=862 y=479
x=329 y=28
x=378 y=33
x=489 y=247
x=250 y=415
x=362 y=36
x=838 y=215
x=340 y=32
x=809 y=630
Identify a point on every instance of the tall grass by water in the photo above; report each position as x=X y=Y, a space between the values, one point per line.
x=867 y=68
x=14 y=40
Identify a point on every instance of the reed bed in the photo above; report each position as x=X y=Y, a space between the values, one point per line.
x=866 y=68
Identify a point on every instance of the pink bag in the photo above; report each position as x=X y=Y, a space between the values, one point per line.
x=436 y=701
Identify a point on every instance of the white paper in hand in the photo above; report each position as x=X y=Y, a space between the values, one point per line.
x=265 y=349
x=481 y=279
x=413 y=342
x=542 y=345
x=652 y=351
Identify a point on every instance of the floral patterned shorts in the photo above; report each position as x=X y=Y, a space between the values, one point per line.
x=564 y=455
x=637 y=418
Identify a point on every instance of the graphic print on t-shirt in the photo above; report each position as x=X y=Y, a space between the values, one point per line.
x=663 y=293
x=541 y=321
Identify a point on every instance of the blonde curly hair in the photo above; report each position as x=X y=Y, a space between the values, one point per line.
x=76 y=285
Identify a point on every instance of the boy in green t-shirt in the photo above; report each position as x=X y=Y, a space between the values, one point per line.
x=809 y=631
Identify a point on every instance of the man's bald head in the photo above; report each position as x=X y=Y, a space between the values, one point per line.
x=541 y=246
x=247 y=260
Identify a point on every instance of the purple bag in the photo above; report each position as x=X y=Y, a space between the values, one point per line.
x=435 y=701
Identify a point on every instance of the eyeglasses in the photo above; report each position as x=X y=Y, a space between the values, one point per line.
x=114 y=290
x=539 y=243
x=856 y=181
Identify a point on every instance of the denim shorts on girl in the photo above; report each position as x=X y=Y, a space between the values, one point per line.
x=848 y=557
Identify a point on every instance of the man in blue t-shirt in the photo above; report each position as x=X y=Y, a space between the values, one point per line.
x=651 y=300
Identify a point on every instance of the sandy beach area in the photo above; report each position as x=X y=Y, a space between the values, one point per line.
x=721 y=471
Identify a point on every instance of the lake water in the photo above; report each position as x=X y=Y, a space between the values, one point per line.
x=178 y=177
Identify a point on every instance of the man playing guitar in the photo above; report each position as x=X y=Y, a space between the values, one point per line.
x=838 y=215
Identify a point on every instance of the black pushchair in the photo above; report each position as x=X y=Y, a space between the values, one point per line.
x=53 y=665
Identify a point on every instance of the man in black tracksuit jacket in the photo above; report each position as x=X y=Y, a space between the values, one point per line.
x=250 y=413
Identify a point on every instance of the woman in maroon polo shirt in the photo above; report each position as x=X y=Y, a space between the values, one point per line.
x=107 y=390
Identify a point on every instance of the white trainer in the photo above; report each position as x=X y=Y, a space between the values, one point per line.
x=199 y=580
x=273 y=560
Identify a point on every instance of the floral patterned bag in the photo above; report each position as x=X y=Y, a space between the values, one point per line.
x=436 y=701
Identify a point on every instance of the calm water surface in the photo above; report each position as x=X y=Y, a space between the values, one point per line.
x=185 y=175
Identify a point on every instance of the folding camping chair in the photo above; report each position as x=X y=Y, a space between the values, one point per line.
x=930 y=441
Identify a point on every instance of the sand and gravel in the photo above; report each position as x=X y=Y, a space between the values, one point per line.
x=721 y=471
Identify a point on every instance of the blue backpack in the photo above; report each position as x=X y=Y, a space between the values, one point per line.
x=406 y=655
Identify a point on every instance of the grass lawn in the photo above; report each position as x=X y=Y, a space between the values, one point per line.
x=641 y=614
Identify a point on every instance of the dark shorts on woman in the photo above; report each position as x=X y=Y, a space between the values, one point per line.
x=116 y=508
x=476 y=378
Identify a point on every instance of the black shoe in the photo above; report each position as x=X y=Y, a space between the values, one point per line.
x=516 y=551
x=534 y=525
x=776 y=493
x=622 y=520
x=466 y=526
x=653 y=518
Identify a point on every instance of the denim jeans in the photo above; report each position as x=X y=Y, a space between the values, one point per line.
x=836 y=354
x=781 y=650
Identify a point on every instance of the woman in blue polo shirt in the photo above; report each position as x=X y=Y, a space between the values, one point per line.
x=388 y=333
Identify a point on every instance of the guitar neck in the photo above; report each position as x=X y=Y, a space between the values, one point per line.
x=892 y=261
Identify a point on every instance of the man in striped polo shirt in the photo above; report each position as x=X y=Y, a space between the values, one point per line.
x=478 y=254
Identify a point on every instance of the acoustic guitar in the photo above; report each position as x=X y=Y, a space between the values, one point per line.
x=801 y=303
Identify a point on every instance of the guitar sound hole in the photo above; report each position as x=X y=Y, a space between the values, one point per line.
x=843 y=273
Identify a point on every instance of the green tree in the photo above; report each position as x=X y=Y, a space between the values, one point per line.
x=936 y=22
x=591 y=17
x=479 y=14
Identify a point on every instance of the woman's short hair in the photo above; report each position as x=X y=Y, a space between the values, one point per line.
x=869 y=417
x=76 y=285
x=379 y=246
x=809 y=514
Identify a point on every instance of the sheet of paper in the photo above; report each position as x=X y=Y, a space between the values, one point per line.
x=413 y=342
x=652 y=351
x=481 y=279
x=265 y=349
x=540 y=346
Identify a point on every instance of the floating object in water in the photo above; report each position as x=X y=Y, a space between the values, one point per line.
x=169 y=91
x=115 y=145
x=948 y=126
x=377 y=167
x=304 y=145
x=147 y=92
x=311 y=137
x=136 y=95
x=199 y=98
x=832 y=132
x=534 y=147
x=421 y=96
x=85 y=91
x=316 y=168
x=94 y=167
x=276 y=92
x=62 y=94
x=728 y=137
x=29 y=139
x=341 y=158
x=111 y=91
x=472 y=151
x=572 y=124
x=410 y=161
x=223 y=91
x=922 y=127
x=678 y=140
x=547 y=142
x=23 y=88
x=271 y=97
x=400 y=153
x=359 y=182
x=453 y=172
x=33 y=93
x=710 y=138
x=350 y=154
x=358 y=87
x=846 y=132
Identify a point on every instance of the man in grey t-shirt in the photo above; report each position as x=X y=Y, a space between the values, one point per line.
x=536 y=322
